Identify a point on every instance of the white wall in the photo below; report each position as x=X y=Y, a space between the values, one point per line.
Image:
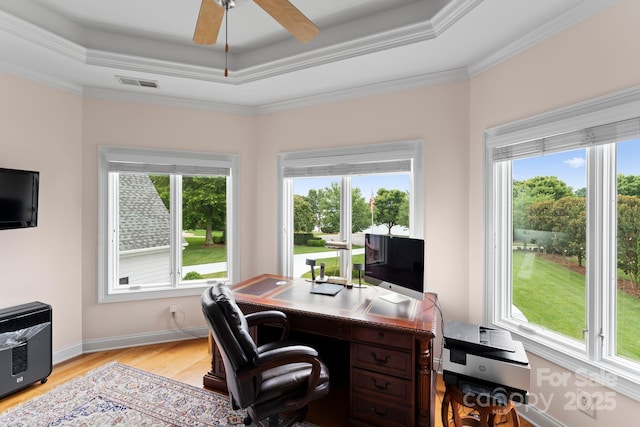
x=595 y=57
x=40 y=129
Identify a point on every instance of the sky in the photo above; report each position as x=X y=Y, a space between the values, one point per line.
x=366 y=183
x=570 y=166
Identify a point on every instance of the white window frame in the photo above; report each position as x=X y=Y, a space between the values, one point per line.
x=595 y=360
x=337 y=162
x=181 y=161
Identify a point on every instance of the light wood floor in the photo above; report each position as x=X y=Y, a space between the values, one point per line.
x=184 y=361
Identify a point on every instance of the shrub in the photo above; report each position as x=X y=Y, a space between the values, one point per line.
x=301 y=238
x=316 y=242
x=193 y=275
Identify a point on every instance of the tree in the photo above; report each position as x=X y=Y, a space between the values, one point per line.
x=629 y=185
x=360 y=213
x=628 y=232
x=204 y=204
x=534 y=190
x=570 y=214
x=329 y=203
x=542 y=188
x=313 y=197
x=389 y=205
x=161 y=183
x=303 y=218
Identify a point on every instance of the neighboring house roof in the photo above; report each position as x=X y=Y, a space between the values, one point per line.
x=144 y=220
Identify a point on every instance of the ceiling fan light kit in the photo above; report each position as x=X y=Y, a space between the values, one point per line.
x=286 y=14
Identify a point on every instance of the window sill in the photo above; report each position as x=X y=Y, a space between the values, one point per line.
x=142 y=294
x=615 y=376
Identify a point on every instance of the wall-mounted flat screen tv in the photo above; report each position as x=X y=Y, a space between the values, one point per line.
x=18 y=198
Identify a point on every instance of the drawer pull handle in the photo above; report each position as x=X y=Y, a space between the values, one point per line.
x=387 y=386
x=379 y=414
x=380 y=361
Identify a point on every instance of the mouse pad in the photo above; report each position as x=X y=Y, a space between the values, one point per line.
x=327 y=289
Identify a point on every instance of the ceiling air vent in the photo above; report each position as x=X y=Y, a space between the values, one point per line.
x=131 y=81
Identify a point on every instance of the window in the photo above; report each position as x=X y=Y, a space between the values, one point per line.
x=166 y=223
x=344 y=192
x=562 y=220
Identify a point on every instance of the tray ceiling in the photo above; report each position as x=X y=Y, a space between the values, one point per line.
x=364 y=46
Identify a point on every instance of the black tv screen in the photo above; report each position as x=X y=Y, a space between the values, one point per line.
x=18 y=198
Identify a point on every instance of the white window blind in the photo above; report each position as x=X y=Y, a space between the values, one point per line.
x=167 y=169
x=139 y=160
x=347 y=169
x=588 y=137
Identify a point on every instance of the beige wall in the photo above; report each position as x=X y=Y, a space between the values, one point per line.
x=438 y=115
x=594 y=58
x=40 y=129
x=139 y=125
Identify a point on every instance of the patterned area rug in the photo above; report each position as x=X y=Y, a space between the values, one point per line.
x=120 y=395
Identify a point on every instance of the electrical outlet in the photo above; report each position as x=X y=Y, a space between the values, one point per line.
x=173 y=308
x=586 y=403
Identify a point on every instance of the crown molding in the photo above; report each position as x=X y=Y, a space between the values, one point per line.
x=39 y=77
x=40 y=37
x=397 y=37
x=580 y=12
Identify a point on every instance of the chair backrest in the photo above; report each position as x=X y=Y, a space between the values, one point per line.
x=231 y=334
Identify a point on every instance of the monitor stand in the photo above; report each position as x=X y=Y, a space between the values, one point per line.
x=394 y=298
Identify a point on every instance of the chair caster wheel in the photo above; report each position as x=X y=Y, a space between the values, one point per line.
x=247 y=421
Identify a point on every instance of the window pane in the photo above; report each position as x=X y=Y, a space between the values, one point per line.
x=628 y=231
x=143 y=231
x=549 y=242
x=380 y=206
x=316 y=213
x=204 y=217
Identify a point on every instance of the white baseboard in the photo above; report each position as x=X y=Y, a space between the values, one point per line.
x=113 y=343
x=67 y=353
x=536 y=417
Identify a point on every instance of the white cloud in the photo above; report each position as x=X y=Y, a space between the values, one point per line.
x=576 y=162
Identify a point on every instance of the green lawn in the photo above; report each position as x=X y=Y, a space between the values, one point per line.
x=195 y=254
x=553 y=297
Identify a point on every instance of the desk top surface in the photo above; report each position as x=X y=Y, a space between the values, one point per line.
x=357 y=305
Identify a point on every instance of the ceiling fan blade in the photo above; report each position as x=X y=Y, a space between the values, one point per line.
x=290 y=18
x=209 y=22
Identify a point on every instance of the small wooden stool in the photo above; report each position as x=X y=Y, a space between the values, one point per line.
x=486 y=412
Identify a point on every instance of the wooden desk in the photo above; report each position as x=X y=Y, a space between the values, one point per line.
x=391 y=359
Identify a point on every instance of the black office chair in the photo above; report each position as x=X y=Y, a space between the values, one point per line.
x=273 y=379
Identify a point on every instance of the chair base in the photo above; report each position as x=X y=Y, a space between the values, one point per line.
x=274 y=420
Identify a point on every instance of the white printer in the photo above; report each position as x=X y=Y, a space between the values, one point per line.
x=485 y=362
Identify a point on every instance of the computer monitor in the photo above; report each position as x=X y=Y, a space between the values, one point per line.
x=395 y=263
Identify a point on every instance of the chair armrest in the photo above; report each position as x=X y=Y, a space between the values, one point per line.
x=269 y=317
x=285 y=355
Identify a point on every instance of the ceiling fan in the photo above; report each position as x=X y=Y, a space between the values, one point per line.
x=212 y=12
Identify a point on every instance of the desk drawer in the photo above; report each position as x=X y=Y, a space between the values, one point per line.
x=327 y=327
x=383 y=337
x=382 y=387
x=380 y=413
x=379 y=359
